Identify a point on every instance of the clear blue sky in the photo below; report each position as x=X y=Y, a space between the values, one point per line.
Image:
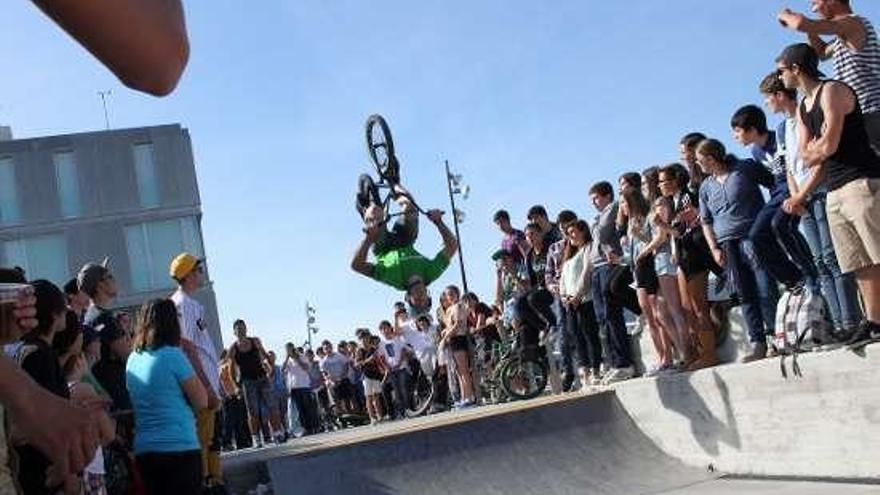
x=531 y=101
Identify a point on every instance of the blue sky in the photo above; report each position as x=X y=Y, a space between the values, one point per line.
x=531 y=101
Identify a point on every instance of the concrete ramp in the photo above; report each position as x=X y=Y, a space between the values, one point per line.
x=576 y=446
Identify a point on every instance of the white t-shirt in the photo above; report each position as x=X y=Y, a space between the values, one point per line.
x=335 y=366
x=295 y=375
x=392 y=351
x=420 y=342
x=191 y=314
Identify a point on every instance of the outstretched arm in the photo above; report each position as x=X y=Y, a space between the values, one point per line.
x=846 y=28
x=143 y=42
x=450 y=243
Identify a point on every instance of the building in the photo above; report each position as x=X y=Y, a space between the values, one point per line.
x=128 y=194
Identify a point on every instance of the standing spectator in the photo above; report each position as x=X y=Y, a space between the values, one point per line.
x=686 y=148
x=627 y=181
x=647 y=283
x=40 y=361
x=367 y=360
x=280 y=392
x=167 y=395
x=514 y=240
x=538 y=215
x=249 y=363
x=694 y=262
x=855 y=52
x=395 y=356
x=604 y=254
x=455 y=334
x=553 y=275
x=577 y=298
x=749 y=126
x=335 y=367
x=834 y=139
x=730 y=200
x=77 y=299
x=808 y=191
x=67 y=345
x=235 y=418
x=296 y=371
x=197 y=344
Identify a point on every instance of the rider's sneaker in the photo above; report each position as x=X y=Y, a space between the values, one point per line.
x=368 y=194
x=618 y=375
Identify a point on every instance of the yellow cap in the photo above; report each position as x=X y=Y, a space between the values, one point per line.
x=183 y=265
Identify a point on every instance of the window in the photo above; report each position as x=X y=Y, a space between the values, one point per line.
x=68 y=184
x=151 y=247
x=145 y=170
x=41 y=257
x=8 y=196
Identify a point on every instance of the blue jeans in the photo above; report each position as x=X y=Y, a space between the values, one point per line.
x=609 y=314
x=742 y=269
x=785 y=227
x=768 y=249
x=840 y=289
x=399 y=379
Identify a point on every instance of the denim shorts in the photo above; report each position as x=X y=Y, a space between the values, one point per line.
x=257 y=394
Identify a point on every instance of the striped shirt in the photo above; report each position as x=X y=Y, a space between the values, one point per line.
x=860 y=69
x=193 y=328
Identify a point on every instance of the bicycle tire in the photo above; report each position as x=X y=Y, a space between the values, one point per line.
x=517 y=366
x=421 y=397
x=385 y=161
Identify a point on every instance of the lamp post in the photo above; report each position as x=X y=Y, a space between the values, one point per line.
x=310 y=323
x=455 y=186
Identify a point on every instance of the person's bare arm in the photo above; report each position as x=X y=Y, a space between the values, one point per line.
x=837 y=101
x=143 y=42
x=84 y=393
x=195 y=393
x=450 y=243
x=192 y=354
x=717 y=252
x=846 y=28
x=65 y=433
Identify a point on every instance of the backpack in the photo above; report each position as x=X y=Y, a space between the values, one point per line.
x=801 y=325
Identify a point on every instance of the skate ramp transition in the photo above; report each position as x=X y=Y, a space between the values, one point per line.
x=680 y=434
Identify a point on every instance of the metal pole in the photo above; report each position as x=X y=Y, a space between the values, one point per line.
x=455 y=223
x=104 y=95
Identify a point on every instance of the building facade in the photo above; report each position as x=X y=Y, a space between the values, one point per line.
x=130 y=195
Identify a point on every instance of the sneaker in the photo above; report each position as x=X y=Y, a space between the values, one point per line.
x=759 y=351
x=866 y=331
x=618 y=375
x=258 y=443
x=367 y=194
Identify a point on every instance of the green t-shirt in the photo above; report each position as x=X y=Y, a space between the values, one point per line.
x=396 y=266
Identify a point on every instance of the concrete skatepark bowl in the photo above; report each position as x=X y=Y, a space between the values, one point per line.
x=739 y=429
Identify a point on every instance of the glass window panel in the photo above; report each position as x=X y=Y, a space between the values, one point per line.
x=14 y=255
x=68 y=184
x=192 y=238
x=9 y=212
x=47 y=258
x=145 y=170
x=138 y=258
x=165 y=243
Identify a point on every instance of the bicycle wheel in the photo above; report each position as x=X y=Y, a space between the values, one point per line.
x=380 y=147
x=421 y=395
x=524 y=379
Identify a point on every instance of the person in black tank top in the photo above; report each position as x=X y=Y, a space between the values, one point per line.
x=832 y=137
x=248 y=356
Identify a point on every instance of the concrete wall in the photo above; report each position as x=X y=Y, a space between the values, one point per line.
x=748 y=419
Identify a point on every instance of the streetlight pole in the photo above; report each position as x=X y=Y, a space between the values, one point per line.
x=455 y=219
x=310 y=320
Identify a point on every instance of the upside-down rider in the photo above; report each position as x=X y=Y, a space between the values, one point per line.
x=397 y=263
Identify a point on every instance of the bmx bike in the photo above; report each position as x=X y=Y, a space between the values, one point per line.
x=518 y=374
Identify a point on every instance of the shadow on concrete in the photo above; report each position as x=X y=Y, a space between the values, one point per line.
x=583 y=445
x=678 y=394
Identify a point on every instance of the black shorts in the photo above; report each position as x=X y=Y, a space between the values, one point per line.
x=694 y=256
x=343 y=390
x=646 y=275
x=459 y=343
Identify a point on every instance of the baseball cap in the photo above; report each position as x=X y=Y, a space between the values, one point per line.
x=91 y=274
x=804 y=56
x=501 y=253
x=183 y=265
